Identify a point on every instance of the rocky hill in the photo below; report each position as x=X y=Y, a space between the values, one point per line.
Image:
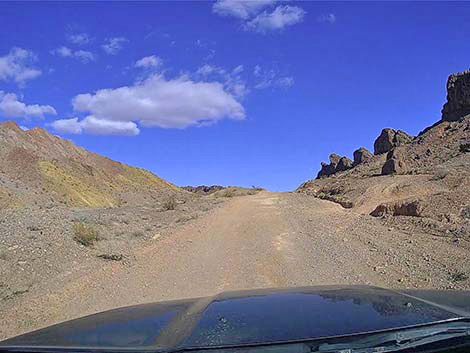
x=420 y=183
x=203 y=189
x=40 y=169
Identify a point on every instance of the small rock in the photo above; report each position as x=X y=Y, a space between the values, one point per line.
x=156 y=236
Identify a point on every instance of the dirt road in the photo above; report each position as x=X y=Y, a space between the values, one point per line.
x=265 y=240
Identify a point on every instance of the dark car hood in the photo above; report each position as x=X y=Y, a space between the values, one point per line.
x=252 y=317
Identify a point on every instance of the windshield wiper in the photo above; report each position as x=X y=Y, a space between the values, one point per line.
x=399 y=340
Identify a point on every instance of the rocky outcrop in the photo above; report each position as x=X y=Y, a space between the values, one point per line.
x=203 y=189
x=337 y=164
x=390 y=138
x=344 y=164
x=413 y=208
x=395 y=163
x=458 y=97
x=361 y=155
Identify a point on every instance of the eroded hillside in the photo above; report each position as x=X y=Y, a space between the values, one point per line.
x=40 y=169
x=417 y=183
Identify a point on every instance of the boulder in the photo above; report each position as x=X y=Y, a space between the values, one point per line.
x=389 y=138
x=395 y=163
x=344 y=164
x=458 y=97
x=334 y=159
x=361 y=155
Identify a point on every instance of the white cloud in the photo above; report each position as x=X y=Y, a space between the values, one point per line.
x=157 y=101
x=16 y=66
x=79 y=38
x=240 y=9
x=83 y=55
x=330 y=18
x=280 y=17
x=232 y=80
x=11 y=107
x=67 y=126
x=114 y=45
x=265 y=78
x=206 y=70
x=285 y=82
x=149 y=61
x=24 y=128
x=94 y=126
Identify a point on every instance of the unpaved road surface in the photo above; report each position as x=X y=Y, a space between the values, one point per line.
x=264 y=240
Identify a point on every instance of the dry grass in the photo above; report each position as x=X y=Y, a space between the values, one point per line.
x=169 y=204
x=85 y=234
x=232 y=192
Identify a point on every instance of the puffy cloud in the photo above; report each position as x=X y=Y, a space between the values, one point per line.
x=240 y=9
x=94 y=126
x=280 y=17
x=113 y=45
x=79 y=38
x=11 y=107
x=149 y=61
x=83 y=55
x=67 y=126
x=16 y=66
x=157 y=101
x=330 y=18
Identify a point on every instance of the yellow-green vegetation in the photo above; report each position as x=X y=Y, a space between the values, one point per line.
x=140 y=178
x=85 y=234
x=77 y=190
x=232 y=192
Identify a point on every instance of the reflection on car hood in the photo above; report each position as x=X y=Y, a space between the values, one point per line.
x=252 y=317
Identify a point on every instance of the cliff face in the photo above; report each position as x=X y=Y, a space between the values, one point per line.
x=458 y=97
x=38 y=168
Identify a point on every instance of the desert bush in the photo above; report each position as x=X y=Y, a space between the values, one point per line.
x=169 y=204
x=85 y=234
x=459 y=276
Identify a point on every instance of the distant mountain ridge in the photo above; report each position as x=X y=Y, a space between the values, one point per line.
x=41 y=169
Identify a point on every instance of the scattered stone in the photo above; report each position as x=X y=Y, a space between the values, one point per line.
x=111 y=257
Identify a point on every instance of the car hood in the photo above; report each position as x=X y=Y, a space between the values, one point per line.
x=251 y=317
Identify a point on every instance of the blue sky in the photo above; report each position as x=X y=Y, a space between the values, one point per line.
x=231 y=93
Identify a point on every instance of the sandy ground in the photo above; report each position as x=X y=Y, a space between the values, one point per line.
x=264 y=240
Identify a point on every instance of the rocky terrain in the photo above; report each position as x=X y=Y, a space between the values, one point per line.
x=62 y=206
x=420 y=184
x=203 y=189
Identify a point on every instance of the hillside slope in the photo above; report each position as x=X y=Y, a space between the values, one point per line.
x=37 y=168
x=420 y=183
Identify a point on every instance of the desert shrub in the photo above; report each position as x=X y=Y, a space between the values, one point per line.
x=459 y=276
x=33 y=228
x=169 y=204
x=85 y=234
